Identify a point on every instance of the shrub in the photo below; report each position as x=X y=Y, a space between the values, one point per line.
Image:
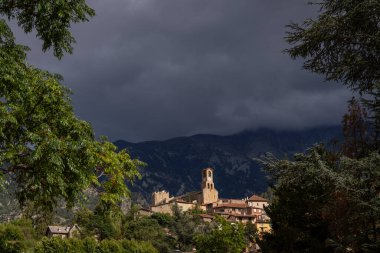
x=12 y=239
x=133 y=246
x=110 y=246
x=72 y=245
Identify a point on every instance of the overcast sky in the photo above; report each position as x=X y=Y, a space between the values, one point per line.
x=156 y=69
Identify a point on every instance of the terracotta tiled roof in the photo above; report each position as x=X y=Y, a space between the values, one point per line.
x=203 y=215
x=257 y=198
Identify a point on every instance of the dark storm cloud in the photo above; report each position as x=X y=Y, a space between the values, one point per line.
x=154 y=69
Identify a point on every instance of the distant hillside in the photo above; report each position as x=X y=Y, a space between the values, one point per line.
x=175 y=165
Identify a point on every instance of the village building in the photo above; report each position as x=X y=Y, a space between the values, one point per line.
x=163 y=203
x=242 y=218
x=144 y=211
x=230 y=208
x=207 y=199
x=62 y=231
x=257 y=201
x=263 y=226
x=167 y=207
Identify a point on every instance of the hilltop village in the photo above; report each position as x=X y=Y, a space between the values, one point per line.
x=250 y=209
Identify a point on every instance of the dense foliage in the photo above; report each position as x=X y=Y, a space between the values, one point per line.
x=110 y=230
x=342 y=43
x=17 y=236
x=324 y=205
x=163 y=231
x=225 y=237
x=89 y=245
x=44 y=147
x=50 y=19
x=11 y=239
x=328 y=200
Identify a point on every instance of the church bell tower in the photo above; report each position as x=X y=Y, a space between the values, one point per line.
x=209 y=193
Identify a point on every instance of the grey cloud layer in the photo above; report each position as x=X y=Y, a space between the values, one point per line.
x=154 y=69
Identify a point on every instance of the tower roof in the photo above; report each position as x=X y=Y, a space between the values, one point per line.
x=257 y=198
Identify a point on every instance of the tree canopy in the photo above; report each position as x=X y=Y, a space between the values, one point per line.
x=50 y=19
x=225 y=237
x=49 y=152
x=328 y=200
x=322 y=204
x=342 y=43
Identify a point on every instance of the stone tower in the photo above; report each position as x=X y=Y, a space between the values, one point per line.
x=209 y=193
x=160 y=197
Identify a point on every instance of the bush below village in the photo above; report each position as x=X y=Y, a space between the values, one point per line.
x=90 y=245
x=109 y=230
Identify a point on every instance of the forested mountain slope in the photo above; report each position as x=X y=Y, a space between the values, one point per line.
x=175 y=164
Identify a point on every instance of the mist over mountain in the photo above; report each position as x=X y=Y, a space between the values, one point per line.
x=175 y=165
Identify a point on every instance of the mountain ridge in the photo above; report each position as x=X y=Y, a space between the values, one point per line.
x=175 y=164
